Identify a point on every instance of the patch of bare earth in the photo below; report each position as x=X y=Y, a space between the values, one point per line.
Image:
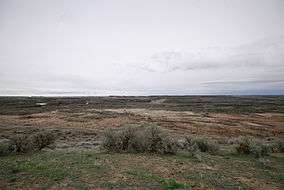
x=257 y=183
x=179 y=122
x=213 y=124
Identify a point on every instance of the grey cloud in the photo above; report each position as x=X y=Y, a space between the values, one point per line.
x=242 y=82
x=262 y=53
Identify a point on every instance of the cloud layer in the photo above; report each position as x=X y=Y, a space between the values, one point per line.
x=66 y=47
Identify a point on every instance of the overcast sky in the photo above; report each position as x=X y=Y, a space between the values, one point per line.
x=141 y=47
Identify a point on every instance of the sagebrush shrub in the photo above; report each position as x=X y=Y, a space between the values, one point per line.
x=259 y=150
x=23 y=143
x=169 y=146
x=42 y=140
x=6 y=147
x=139 y=139
x=111 y=141
x=154 y=139
x=127 y=139
x=137 y=142
x=35 y=142
x=244 y=146
x=252 y=146
x=201 y=144
x=277 y=147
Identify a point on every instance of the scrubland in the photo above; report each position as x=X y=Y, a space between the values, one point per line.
x=156 y=142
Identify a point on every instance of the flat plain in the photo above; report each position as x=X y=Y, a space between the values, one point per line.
x=76 y=159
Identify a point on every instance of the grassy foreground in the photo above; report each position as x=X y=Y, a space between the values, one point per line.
x=94 y=170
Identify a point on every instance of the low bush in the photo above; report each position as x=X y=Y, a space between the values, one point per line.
x=110 y=141
x=139 y=139
x=201 y=144
x=29 y=143
x=122 y=140
x=6 y=147
x=42 y=140
x=22 y=143
x=157 y=141
x=251 y=146
x=277 y=147
x=260 y=150
x=244 y=146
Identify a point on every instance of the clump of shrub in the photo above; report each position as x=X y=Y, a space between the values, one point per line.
x=260 y=150
x=26 y=143
x=5 y=147
x=157 y=141
x=122 y=140
x=22 y=143
x=42 y=140
x=139 y=139
x=201 y=144
x=277 y=147
x=244 y=146
x=251 y=146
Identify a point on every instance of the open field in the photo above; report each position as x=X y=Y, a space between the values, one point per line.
x=76 y=160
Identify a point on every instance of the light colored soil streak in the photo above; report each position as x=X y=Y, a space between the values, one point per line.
x=179 y=122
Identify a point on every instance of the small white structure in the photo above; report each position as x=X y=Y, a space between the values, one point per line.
x=41 y=104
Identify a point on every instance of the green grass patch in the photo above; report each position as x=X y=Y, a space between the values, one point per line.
x=83 y=170
x=52 y=166
x=271 y=169
x=157 y=181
